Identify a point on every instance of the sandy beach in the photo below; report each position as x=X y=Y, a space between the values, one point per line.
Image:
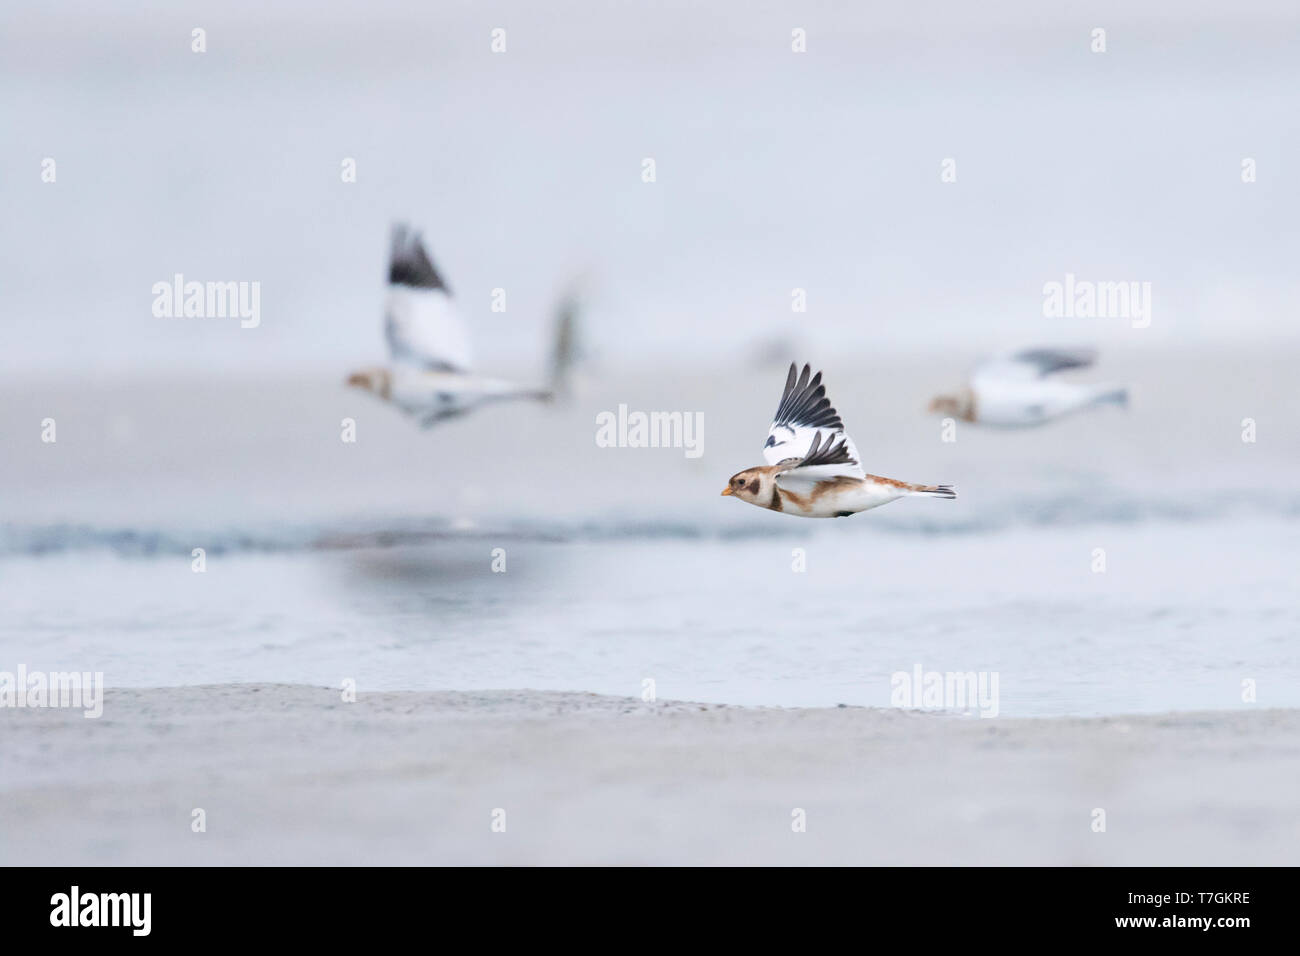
x=294 y=775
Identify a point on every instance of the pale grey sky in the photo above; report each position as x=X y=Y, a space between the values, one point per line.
x=775 y=170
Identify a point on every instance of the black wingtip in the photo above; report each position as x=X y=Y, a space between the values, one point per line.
x=408 y=262
x=1049 y=360
x=804 y=402
x=820 y=453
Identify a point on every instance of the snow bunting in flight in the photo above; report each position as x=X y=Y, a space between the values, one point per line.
x=430 y=377
x=1018 y=390
x=812 y=468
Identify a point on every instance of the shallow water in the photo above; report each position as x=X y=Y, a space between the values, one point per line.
x=373 y=561
x=1179 y=619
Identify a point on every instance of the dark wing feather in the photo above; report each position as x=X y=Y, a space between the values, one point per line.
x=1047 y=361
x=804 y=403
x=828 y=453
x=409 y=264
x=820 y=453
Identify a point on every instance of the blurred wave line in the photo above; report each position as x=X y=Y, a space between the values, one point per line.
x=1051 y=511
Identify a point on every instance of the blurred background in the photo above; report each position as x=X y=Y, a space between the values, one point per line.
x=775 y=171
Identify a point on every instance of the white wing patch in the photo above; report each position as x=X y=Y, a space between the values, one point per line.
x=804 y=414
x=425 y=329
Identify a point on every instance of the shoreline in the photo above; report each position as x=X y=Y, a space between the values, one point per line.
x=291 y=774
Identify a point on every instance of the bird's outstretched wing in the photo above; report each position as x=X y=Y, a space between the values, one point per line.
x=567 y=348
x=1032 y=364
x=423 y=327
x=806 y=416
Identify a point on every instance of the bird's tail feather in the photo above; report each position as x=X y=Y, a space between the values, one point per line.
x=1113 y=396
x=933 y=491
x=566 y=348
x=523 y=394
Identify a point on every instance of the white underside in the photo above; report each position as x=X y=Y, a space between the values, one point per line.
x=445 y=394
x=425 y=329
x=862 y=497
x=1014 y=404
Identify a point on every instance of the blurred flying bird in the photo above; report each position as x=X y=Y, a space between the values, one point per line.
x=812 y=469
x=430 y=376
x=1019 y=390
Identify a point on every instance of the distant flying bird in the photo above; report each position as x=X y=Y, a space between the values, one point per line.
x=431 y=377
x=1018 y=390
x=813 y=469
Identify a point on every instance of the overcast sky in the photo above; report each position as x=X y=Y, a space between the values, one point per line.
x=774 y=170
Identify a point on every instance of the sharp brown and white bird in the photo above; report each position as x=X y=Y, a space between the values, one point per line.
x=1020 y=390
x=812 y=469
x=430 y=376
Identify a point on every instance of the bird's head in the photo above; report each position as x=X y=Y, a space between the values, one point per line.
x=943 y=405
x=955 y=406
x=750 y=485
x=375 y=380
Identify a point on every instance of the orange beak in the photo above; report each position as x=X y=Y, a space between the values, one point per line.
x=727 y=490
